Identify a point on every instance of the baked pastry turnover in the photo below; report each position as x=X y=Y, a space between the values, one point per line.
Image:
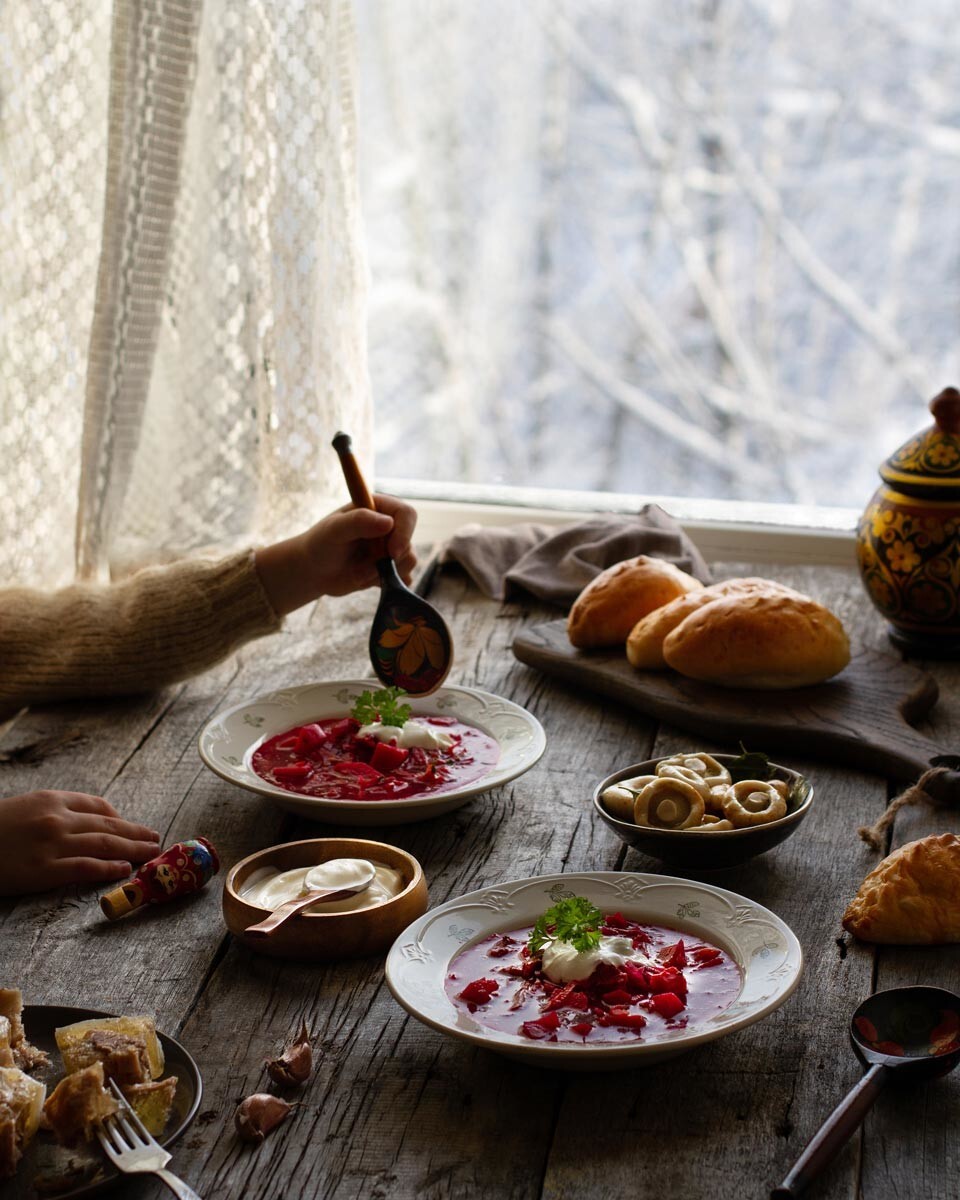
x=912 y=897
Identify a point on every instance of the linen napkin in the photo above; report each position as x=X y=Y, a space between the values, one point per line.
x=555 y=564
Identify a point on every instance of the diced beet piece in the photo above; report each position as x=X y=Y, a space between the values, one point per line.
x=617 y=921
x=362 y=770
x=707 y=956
x=582 y=1029
x=309 y=736
x=617 y=997
x=668 y=979
x=605 y=975
x=635 y=978
x=503 y=945
x=387 y=758
x=673 y=956
x=557 y=995
x=623 y=1018
x=568 y=997
x=667 y=1004
x=479 y=991
x=293 y=772
x=345 y=727
x=543 y=1027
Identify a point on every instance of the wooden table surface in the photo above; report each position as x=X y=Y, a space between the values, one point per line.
x=398 y=1110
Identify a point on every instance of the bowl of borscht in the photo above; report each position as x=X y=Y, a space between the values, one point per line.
x=591 y=971
x=352 y=752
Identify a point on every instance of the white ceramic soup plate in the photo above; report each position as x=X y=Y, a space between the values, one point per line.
x=764 y=947
x=229 y=741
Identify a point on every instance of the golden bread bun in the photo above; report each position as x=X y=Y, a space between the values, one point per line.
x=763 y=640
x=912 y=897
x=645 y=640
x=610 y=605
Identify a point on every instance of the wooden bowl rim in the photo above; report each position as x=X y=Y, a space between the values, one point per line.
x=417 y=877
x=791 y=818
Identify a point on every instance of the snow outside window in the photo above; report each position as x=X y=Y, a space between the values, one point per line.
x=702 y=248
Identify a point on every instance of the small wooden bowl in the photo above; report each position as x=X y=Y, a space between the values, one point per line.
x=322 y=937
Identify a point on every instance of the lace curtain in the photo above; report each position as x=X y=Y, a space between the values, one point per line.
x=181 y=280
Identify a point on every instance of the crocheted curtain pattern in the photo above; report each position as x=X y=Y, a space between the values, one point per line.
x=181 y=279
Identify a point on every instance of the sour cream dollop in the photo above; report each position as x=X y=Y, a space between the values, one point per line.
x=408 y=735
x=563 y=963
x=269 y=888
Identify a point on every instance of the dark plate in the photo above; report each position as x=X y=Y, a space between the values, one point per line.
x=703 y=851
x=44 y=1156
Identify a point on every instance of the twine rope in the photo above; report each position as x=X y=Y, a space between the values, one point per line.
x=938 y=787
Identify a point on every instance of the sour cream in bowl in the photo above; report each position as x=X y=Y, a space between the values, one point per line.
x=353 y=927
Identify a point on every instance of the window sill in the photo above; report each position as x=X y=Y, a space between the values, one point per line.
x=724 y=530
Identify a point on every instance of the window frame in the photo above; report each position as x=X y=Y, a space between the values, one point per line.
x=724 y=530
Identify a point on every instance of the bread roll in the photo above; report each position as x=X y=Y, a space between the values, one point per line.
x=610 y=605
x=645 y=640
x=763 y=640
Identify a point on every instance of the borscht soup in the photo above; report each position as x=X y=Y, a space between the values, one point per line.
x=580 y=976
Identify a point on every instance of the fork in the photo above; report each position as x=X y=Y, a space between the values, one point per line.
x=132 y=1150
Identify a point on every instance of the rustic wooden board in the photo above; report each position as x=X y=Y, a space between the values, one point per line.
x=857 y=719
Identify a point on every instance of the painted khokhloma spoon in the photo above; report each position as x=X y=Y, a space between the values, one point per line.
x=410 y=644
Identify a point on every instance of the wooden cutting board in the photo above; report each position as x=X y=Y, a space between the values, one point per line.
x=860 y=718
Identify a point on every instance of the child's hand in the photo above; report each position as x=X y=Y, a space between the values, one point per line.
x=48 y=839
x=336 y=556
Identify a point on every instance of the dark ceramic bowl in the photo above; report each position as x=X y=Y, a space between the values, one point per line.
x=705 y=851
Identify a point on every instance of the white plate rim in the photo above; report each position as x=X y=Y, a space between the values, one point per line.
x=487 y=711
x=409 y=961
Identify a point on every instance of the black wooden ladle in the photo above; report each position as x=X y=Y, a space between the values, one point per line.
x=909 y=1033
x=410 y=645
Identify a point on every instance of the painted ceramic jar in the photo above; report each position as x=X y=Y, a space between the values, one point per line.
x=908 y=539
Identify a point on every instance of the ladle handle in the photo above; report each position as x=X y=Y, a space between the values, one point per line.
x=833 y=1134
x=291 y=907
x=357 y=486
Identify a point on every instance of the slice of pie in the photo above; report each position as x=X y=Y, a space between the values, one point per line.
x=21 y=1102
x=25 y=1056
x=6 y=1050
x=152 y=1102
x=78 y=1104
x=128 y=1047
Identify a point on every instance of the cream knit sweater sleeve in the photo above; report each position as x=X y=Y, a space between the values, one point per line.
x=157 y=627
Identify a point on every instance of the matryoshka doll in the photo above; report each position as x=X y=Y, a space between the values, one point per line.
x=908 y=539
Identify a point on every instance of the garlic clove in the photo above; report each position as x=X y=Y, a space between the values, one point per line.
x=259 y=1114
x=295 y=1065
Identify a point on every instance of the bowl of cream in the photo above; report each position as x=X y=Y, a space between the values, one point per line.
x=360 y=924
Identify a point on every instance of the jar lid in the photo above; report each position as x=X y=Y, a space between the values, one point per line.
x=930 y=462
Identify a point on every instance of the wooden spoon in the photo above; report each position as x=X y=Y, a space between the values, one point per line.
x=291 y=907
x=908 y=1033
x=410 y=644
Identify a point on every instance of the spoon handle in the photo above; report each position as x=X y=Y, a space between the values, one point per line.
x=834 y=1133
x=291 y=907
x=357 y=486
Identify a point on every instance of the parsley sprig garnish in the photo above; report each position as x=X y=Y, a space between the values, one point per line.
x=574 y=920
x=381 y=706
